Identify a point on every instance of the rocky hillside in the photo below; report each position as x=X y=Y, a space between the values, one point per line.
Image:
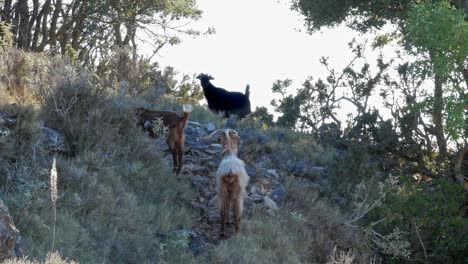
x=321 y=198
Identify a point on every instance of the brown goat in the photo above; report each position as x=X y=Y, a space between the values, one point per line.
x=231 y=179
x=175 y=124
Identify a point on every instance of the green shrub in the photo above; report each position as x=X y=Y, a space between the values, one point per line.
x=434 y=210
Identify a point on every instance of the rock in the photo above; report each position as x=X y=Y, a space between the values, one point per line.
x=195 y=168
x=7 y=120
x=213 y=217
x=196 y=242
x=273 y=172
x=277 y=195
x=317 y=169
x=256 y=198
x=255 y=190
x=199 y=180
x=4 y=131
x=269 y=204
x=198 y=205
x=211 y=127
x=204 y=192
x=254 y=136
x=251 y=171
x=194 y=123
x=194 y=134
x=8 y=235
x=53 y=140
x=231 y=123
x=304 y=167
x=213 y=202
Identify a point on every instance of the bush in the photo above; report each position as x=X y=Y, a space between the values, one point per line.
x=117 y=199
x=429 y=213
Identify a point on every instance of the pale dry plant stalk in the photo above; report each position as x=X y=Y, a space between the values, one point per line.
x=342 y=257
x=53 y=197
x=159 y=129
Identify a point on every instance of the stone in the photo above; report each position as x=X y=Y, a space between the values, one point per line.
x=254 y=136
x=199 y=180
x=211 y=126
x=251 y=171
x=231 y=123
x=204 y=192
x=4 y=131
x=53 y=140
x=213 y=217
x=256 y=198
x=195 y=168
x=269 y=204
x=9 y=235
x=194 y=123
x=213 y=202
x=277 y=194
x=196 y=242
x=7 y=120
x=273 y=172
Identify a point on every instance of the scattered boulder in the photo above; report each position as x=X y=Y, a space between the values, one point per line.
x=231 y=123
x=252 y=135
x=4 y=131
x=7 y=120
x=53 y=140
x=211 y=127
x=270 y=205
x=251 y=171
x=304 y=167
x=196 y=242
x=273 y=172
x=9 y=235
x=195 y=168
x=277 y=194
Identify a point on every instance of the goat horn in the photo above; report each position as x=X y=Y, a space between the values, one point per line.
x=213 y=133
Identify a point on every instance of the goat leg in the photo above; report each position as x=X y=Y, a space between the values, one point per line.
x=174 y=160
x=224 y=206
x=180 y=155
x=237 y=214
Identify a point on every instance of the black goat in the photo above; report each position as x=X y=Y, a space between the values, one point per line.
x=220 y=100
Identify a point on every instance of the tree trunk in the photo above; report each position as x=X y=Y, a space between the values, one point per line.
x=37 y=30
x=31 y=23
x=437 y=116
x=458 y=166
x=466 y=9
x=6 y=12
x=45 y=36
x=23 y=12
x=53 y=25
x=79 y=25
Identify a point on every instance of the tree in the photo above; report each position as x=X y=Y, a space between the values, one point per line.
x=95 y=27
x=435 y=28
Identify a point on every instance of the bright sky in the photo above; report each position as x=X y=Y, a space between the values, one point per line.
x=256 y=42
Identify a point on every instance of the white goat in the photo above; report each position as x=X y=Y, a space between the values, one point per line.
x=231 y=179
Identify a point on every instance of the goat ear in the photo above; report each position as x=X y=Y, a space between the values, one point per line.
x=210 y=77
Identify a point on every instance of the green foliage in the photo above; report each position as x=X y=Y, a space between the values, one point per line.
x=288 y=105
x=261 y=113
x=432 y=208
x=362 y=15
x=440 y=31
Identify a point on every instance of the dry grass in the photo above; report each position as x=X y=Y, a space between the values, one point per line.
x=52 y=258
